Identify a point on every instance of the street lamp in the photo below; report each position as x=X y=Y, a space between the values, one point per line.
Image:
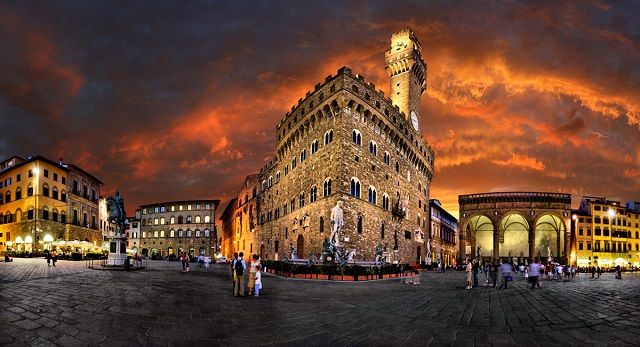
x=574 y=239
x=612 y=217
x=36 y=173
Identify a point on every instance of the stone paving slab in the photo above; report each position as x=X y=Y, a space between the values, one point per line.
x=161 y=306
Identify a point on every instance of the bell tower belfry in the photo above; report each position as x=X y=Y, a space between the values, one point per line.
x=408 y=74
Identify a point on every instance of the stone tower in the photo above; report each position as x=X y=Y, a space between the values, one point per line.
x=408 y=74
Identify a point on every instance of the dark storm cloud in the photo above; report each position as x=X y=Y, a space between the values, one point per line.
x=171 y=100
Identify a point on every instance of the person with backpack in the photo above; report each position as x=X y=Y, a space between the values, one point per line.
x=233 y=272
x=239 y=268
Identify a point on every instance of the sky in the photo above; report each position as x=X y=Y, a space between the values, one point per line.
x=171 y=100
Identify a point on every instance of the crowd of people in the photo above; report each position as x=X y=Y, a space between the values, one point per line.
x=535 y=273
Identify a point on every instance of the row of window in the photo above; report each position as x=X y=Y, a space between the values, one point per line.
x=46 y=214
x=163 y=209
x=172 y=220
x=46 y=192
x=172 y=233
x=608 y=247
x=7 y=182
x=605 y=232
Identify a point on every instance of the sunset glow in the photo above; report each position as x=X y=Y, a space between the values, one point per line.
x=169 y=101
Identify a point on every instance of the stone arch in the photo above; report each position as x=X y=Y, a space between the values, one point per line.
x=479 y=231
x=514 y=235
x=549 y=230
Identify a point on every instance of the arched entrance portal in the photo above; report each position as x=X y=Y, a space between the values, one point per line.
x=482 y=227
x=548 y=229
x=300 y=247
x=514 y=242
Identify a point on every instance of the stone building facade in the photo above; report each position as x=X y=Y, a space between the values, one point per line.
x=443 y=235
x=169 y=228
x=43 y=201
x=225 y=236
x=346 y=141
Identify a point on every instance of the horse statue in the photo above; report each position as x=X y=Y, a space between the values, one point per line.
x=117 y=214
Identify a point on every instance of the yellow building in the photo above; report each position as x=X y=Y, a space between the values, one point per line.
x=43 y=202
x=607 y=233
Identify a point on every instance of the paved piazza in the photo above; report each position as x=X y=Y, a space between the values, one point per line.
x=74 y=306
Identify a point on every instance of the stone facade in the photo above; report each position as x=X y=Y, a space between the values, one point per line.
x=443 y=235
x=168 y=228
x=345 y=141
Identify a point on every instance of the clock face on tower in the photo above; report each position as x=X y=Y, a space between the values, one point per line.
x=414 y=120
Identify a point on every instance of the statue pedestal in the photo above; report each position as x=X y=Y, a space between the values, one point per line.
x=117 y=251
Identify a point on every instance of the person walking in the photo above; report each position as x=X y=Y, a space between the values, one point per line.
x=593 y=272
x=476 y=268
x=239 y=267
x=534 y=272
x=47 y=256
x=599 y=270
x=505 y=270
x=54 y=257
x=469 y=270
x=494 y=273
x=618 y=272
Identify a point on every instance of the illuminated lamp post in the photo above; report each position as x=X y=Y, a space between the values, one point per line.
x=36 y=173
x=612 y=217
x=574 y=240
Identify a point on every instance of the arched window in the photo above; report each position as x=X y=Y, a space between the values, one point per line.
x=188 y=233
x=198 y=219
x=356 y=137
x=397 y=167
x=359 y=224
x=172 y=220
x=270 y=181
x=313 y=194
x=163 y=221
x=63 y=196
x=29 y=191
x=180 y=234
x=314 y=146
x=373 y=147
x=172 y=233
x=63 y=217
x=55 y=193
x=206 y=233
x=155 y=233
x=189 y=219
x=7 y=197
x=207 y=219
x=180 y=220
x=355 y=187
x=373 y=198
x=45 y=213
x=386 y=157
x=385 y=201
x=45 y=189
x=54 y=215
x=155 y=221
x=382 y=231
x=327 y=187
x=303 y=155
x=321 y=224
x=301 y=200
x=197 y=233
x=277 y=179
x=328 y=137
x=19 y=193
x=161 y=233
